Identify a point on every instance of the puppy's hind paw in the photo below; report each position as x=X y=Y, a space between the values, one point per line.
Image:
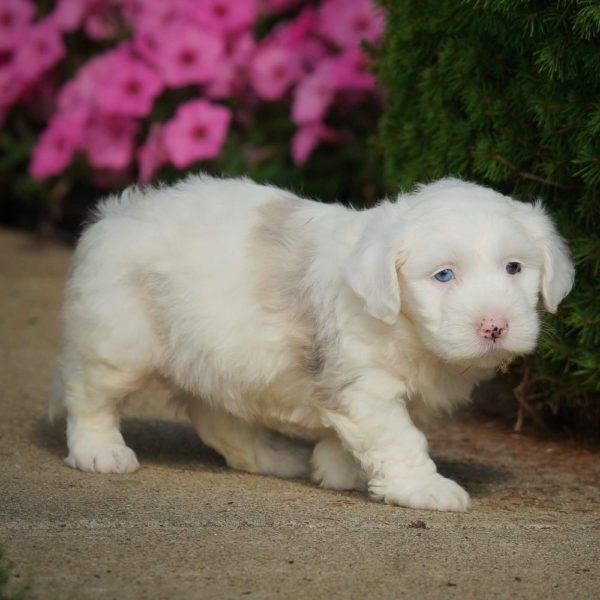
x=334 y=468
x=433 y=492
x=110 y=458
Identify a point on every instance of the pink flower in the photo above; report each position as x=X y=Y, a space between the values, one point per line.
x=350 y=71
x=281 y=58
x=69 y=14
x=102 y=21
x=294 y=33
x=184 y=54
x=79 y=95
x=316 y=92
x=109 y=141
x=312 y=53
x=230 y=79
x=152 y=155
x=151 y=19
x=224 y=16
x=41 y=48
x=129 y=88
x=115 y=81
x=196 y=132
x=349 y=22
x=273 y=70
x=314 y=95
x=155 y=16
x=224 y=82
x=11 y=87
x=56 y=146
x=131 y=8
x=307 y=137
x=297 y=36
x=15 y=17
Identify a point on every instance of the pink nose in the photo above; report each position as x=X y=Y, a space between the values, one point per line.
x=492 y=328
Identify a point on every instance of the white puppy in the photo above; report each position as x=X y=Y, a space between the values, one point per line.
x=282 y=319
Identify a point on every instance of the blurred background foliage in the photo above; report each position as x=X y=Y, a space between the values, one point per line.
x=349 y=172
x=287 y=68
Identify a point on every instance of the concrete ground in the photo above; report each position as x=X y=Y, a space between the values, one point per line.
x=185 y=526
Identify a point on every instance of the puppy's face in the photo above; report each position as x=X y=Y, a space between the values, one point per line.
x=471 y=286
x=468 y=268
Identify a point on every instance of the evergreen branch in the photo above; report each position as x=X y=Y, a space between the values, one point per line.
x=526 y=175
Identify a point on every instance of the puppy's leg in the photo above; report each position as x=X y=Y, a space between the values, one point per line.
x=249 y=447
x=91 y=394
x=374 y=424
x=335 y=468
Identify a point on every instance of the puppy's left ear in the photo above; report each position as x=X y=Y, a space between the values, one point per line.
x=370 y=270
x=558 y=272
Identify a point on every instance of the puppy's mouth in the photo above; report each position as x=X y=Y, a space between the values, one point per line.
x=493 y=354
x=492 y=346
x=486 y=354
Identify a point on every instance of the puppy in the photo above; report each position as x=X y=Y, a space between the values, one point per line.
x=304 y=339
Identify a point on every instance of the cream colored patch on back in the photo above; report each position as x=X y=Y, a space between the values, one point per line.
x=282 y=256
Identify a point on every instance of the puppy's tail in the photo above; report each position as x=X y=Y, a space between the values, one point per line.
x=56 y=407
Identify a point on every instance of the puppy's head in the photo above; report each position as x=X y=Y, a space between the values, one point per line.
x=466 y=265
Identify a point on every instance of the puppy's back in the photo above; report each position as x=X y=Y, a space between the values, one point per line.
x=165 y=279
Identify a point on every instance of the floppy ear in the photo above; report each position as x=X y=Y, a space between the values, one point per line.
x=370 y=269
x=558 y=272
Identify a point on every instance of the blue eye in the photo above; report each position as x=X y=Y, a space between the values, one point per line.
x=513 y=267
x=444 y=275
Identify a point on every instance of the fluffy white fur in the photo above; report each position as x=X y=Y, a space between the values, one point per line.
x=286 y=324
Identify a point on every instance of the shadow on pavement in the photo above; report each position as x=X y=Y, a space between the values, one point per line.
x=175 y=443
x=480 y=479
x=154 y=441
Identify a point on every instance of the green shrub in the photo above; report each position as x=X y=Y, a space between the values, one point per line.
x=507 y=93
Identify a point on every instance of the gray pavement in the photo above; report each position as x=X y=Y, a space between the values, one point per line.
x=185 y=526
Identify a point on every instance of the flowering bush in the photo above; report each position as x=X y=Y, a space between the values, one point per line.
x=166 y=82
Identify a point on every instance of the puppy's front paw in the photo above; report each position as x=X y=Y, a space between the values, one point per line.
x=109 y=458
x=432 y=492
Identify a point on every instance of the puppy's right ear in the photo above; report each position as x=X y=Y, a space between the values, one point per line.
x=370 y=270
